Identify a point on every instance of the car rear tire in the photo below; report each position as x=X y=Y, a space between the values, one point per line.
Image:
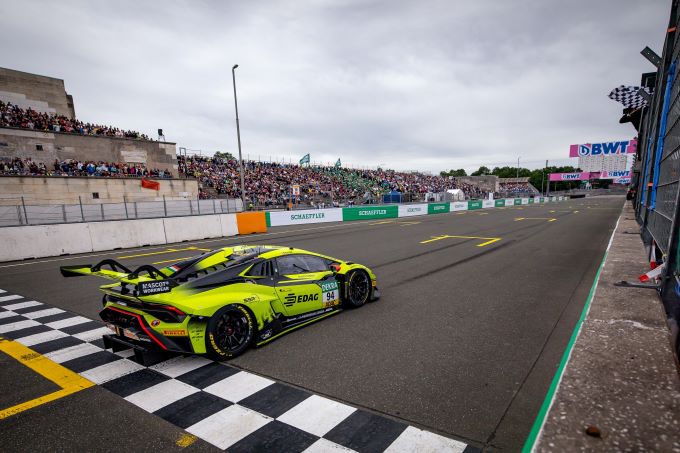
x=230 y=331
x=358 y=289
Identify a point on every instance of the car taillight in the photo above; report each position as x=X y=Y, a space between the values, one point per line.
x=166 y=313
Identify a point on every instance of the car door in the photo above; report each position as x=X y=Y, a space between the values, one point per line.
x=305 y=283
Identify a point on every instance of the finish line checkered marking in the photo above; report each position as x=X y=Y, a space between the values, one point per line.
x=230 y=408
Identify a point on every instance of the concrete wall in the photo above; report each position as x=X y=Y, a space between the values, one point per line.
x=62 y=146
x=65 y=190
x=40 y=93
x=53 y=240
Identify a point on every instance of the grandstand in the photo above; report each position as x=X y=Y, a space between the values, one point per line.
x=269 y=184
x=516 y=187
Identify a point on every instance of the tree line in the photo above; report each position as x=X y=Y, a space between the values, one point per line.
x=535 y=176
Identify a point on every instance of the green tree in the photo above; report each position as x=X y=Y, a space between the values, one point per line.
x=459 y=172
x=223 y=155
x=481 y=171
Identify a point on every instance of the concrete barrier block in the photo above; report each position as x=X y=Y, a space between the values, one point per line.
x=178 y=229
x=44 y=240
x=127 y=234
x=251 y=222
x=229 y=225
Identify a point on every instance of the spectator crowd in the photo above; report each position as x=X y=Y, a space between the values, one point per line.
x=269 y=184
x=14 y=116
x=523 y=188
x=29 y=167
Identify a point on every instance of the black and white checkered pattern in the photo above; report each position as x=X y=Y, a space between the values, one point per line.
x=227 y=407
x=628 y=96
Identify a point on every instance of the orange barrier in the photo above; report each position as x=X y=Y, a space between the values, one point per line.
x=251 y=222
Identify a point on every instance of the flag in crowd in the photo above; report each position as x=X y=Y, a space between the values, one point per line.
x=338 y=164
x=305 y=159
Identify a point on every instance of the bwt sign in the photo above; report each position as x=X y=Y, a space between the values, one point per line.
x=582 y=176
x=605 y=149
x=615 y=174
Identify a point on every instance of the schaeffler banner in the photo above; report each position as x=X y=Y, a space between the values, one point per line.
x=581 y=176
x=607 y=148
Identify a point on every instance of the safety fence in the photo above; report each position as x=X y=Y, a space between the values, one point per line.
x=18 y=212
x=657 y=172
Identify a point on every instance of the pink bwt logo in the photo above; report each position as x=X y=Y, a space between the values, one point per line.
x=607 y=148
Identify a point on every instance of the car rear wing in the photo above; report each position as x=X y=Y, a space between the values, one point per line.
x=116 y=271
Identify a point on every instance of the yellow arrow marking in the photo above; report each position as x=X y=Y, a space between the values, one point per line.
x=382 y=222
x=68 y=381
x=408 y=223
x=447 y=236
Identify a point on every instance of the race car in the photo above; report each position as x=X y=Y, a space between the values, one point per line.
x=222 y=301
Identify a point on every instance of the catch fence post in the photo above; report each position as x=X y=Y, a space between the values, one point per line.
x=63 y=211
x=165 y=208
x=214 y=207
x=23 y=203
x=198 y=202
x=82 y=213
x=127 y=216
x=101 y=206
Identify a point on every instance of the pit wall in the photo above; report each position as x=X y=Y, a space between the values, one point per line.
x=280 y=218
x=39 y=241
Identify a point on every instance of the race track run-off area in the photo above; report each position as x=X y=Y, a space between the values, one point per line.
x=476 y=310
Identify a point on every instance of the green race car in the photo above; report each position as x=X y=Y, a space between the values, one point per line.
x=224 y=300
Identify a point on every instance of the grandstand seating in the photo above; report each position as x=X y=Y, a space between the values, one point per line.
x=270 y=184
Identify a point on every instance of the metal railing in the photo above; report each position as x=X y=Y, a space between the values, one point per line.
x=656 y=174
x=17 y=212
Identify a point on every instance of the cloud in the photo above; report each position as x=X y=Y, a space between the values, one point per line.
x=425 y=85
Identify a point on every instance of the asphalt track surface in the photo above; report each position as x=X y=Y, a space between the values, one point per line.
x=465 y=339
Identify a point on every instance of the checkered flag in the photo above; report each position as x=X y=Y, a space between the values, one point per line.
x=629 y=96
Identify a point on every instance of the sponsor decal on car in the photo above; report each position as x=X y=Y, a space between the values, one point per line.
x=175 y=333
x=153 y=287
x=331 y=293
x=155 y=323
x=293 y=298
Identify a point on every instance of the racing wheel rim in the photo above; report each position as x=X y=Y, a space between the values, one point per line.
x=359 y=288
x=232 y=330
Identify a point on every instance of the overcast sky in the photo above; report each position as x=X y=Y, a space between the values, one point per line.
x=427 y=85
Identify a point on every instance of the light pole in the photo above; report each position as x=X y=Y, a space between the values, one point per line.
x=518 y=167
x=238 y=135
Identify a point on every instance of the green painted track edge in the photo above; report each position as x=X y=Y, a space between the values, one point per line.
x=547 y=402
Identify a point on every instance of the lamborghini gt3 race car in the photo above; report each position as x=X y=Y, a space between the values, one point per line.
x=222 y=301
